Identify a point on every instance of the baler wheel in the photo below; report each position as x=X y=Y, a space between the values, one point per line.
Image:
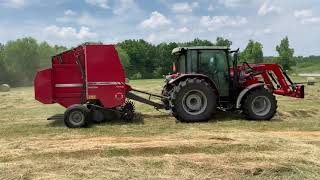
x=97 y=116
x=128 y=110
x=77 y=116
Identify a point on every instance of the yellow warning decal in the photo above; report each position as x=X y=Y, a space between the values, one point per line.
x=92 y=97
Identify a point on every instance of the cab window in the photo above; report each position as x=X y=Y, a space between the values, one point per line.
x=213 y=63
x=181 y=62
x=194 y=61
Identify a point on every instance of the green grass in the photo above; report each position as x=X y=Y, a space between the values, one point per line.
x=154 y=146
x=309 y=67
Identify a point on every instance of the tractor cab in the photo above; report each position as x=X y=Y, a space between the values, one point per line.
x=214 y=62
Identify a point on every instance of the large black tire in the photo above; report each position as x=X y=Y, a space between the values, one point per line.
x=259 y=104
x=193 y=100
x=97 y=116
x=111 y=115
x=77 y=116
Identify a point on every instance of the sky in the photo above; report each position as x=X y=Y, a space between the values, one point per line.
x=71 y=22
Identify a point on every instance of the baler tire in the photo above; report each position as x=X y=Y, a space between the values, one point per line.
x=111 y=115
x=180 y=108
x=269 y=100
x=98 y=116
x=77 y=111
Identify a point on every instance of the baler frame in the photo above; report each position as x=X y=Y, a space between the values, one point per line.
x=148 y=101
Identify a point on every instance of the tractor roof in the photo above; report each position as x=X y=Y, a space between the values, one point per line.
x=180 y=49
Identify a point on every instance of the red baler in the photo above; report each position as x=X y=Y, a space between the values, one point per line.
x=88 y=72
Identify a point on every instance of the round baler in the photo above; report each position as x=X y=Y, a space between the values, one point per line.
x=89 y=81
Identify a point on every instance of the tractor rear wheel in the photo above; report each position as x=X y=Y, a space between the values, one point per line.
x=193 y=100
x=77 y=116
x=260 y=104
x=165 y=93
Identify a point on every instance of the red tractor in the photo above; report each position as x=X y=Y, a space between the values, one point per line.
x=207 y=78
x=90 y=82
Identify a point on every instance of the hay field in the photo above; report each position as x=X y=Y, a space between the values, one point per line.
x=155 y=147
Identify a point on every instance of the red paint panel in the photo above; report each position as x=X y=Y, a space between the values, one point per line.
x=67 y=102
x=66 y=73
x=43 y=86
x=105 y=75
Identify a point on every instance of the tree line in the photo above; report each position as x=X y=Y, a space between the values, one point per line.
x=20 y=59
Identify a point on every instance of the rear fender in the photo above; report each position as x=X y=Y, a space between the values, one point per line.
x=246 y=91
x=191 y=76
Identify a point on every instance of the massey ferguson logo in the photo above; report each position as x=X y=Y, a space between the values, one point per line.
x=119 y=96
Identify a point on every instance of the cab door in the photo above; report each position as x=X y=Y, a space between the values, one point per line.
x=213 y=63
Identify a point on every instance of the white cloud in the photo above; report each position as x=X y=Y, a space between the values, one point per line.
x=303 y=13
x=13 y=3
x=267 y=8
x=100 y=3
x=232 y=3
x=183 y=30
x=172 y=35
x=156 y=20
x=69 y=12
x=211 y=7
x=258 y=33
x=267 y=31
x=311 y=20
x=152 y=38
x=123 y=6
x=306 y=17
x=217 y=22
x=82 y=19
x=88 y=20
x=69 y=32
x=184 y=7
x=86 y=33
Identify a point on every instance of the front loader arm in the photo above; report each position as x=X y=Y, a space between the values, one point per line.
x=280 y=83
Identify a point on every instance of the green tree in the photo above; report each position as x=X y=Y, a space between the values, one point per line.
x=197 y=42
x=164 y=59
x=124 y=57
x=285 y=58
x=21 y=58
x=253 y=53
x=142 y=57
x=3 y=70
x=220 y=41
x=45 y=54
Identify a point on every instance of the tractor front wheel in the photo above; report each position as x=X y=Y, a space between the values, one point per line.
x=77 y=116
x=260 y=104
